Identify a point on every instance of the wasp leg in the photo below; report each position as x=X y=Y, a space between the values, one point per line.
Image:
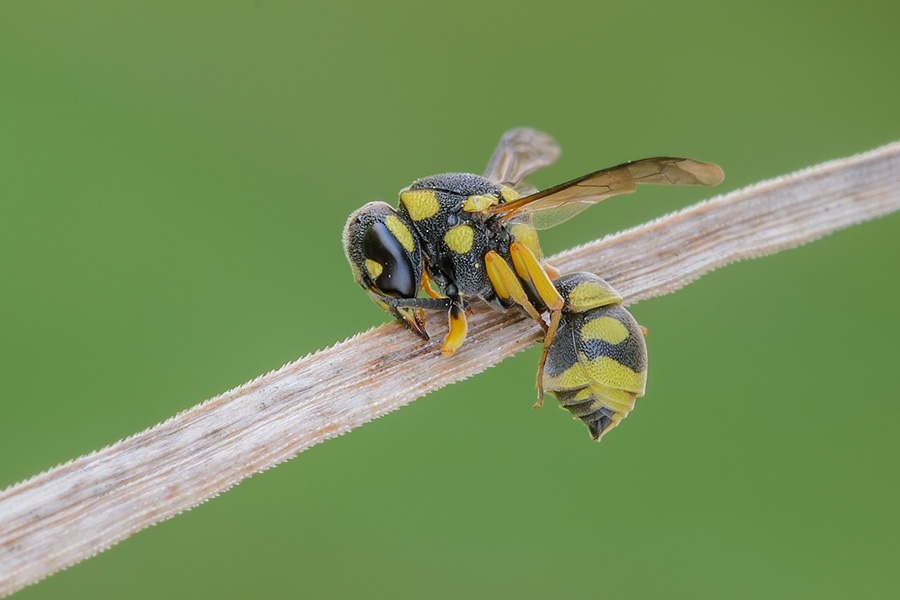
x=507 y=286
x=426 y=285
x=529 y=269
x=457 y=332
x=555 y=316
x=414 y=319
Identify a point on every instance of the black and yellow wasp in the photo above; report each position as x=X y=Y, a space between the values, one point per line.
x=472 y=236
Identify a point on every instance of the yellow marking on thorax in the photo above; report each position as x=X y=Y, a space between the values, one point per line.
x=527 y=235
x=604 y=328
x=588 y=295
x=508 y=194
x=374 y=268
x=420 y=204
x=459 y=239
x=474 y=204
x=400 y=231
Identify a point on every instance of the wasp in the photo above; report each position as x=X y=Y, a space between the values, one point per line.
x=460 y=236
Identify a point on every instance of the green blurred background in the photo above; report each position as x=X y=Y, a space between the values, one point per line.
x=174 y=178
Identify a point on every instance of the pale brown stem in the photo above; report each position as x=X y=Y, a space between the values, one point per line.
x=83 y=507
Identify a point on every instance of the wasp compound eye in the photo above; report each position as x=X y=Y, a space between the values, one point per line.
x=394 y=275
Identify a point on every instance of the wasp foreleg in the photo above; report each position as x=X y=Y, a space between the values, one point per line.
x=458 y=327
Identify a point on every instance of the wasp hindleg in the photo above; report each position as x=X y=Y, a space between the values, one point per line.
x=549 y=336
x=507 y=286
x=529 y=268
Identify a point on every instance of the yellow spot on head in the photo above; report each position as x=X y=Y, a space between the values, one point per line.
x=509 y=194
x=605 y=328
x=400 y=231
x=527 y=235
x=590 y=294
x=420 y=204
x=374 y=268
x=459 y=239
x=474 y=204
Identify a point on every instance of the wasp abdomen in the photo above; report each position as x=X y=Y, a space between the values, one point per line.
x=597 y=362
x=597 y=416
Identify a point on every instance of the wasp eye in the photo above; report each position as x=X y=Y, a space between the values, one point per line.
x=397 y=277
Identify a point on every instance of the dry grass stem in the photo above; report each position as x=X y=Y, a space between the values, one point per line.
x=80 y=508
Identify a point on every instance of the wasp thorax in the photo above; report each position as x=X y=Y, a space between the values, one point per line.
x=383 y=251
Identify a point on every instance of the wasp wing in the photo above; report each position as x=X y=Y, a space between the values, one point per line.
x=521 y=151
x=552 y=206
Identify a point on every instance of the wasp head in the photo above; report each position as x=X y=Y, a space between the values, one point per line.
x=386 y=260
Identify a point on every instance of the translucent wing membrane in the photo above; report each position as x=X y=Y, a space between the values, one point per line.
x=552 y=206
x=521 y=151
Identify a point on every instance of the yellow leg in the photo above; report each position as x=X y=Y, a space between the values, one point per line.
x=426 y=285
x=457 y=333
x=548 y=339
x=507 y=285
x=529 y=268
